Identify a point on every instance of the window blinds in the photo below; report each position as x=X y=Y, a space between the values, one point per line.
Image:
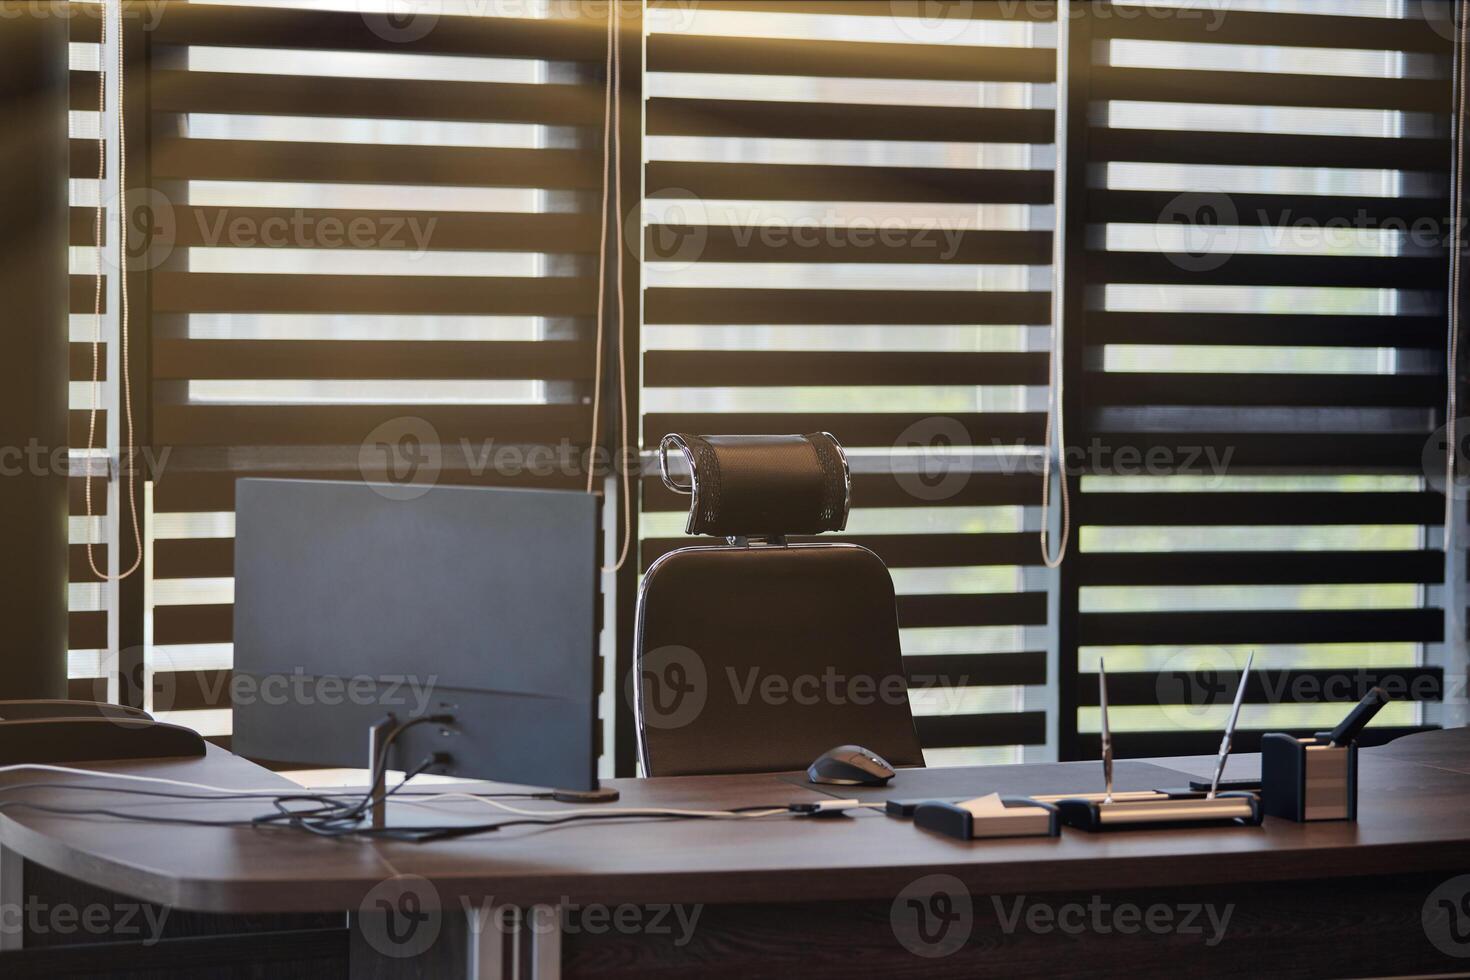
x=848 y=228
x=382 y=264
x=1255 y=365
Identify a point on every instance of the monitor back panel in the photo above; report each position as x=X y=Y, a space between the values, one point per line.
x=479 y=602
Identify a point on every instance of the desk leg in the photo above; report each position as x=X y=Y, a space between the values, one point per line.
x=544 y=942
x=485 y=945
x=529 y=939
x=12 y=901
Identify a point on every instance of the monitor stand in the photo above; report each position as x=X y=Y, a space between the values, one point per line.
x=378 y=792
x=378 y=733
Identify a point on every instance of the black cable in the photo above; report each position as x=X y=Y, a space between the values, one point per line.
x=380 y=763
x=417 y=770
x=334 y=817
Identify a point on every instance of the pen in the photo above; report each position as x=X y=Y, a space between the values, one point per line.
x=1354 y=723
x=1245 y=677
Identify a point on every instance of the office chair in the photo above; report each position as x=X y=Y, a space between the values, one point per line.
x=759 y=655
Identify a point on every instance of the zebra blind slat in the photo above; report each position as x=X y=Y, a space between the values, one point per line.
x=816 y=182
x=202 y=488
x=1257 y=389
x=787 y=243
x=1267 y=329
x=904 y=550
x=1042 y=10
x=346 y=359
x=721 y=369
x=380 y=98
x=962 y=669
x=1263 y=568
x=868 y=430
x=1391 y=28
x=890 y=490
x=1258 y=210
x=1246 y=88
x=83 y=293
x=458 y=166
x=729 y=117
x=1251 y=149
x=849 y=59
x=265 y=293
x=401 y=230
x=854 y=307
x=1263 y=686
x=533 y=39
x=182 y=425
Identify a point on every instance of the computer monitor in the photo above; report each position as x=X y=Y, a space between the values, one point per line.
x=352 y=603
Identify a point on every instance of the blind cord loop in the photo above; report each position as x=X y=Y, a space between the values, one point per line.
x=123 y=319
x=612 y=144
x=1462 y=37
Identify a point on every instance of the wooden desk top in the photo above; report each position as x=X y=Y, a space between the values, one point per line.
x=1414 y=815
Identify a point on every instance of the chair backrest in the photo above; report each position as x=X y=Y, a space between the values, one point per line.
x=759 y=655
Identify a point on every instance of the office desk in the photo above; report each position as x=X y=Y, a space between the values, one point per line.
x=829 y=896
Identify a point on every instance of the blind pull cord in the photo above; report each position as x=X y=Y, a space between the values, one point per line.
x=122 y=271
x=612 y=145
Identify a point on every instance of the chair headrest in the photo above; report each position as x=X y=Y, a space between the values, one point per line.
x=744 y=486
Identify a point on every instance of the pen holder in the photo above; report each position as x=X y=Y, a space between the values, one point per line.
x=1305 y=779
x=1020 y=817
x=1142 y=811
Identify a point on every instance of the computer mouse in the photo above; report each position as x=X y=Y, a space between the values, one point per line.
x=850 y=765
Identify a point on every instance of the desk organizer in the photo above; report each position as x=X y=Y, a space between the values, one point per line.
x=1306 y=779
x=988 y=817
x=1137 y=811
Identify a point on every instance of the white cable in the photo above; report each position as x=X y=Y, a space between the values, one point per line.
x=122 y=270
x=620 y=811
x=158 y=780
x=612 y=147
x=1452 y=354
x=622 y=441
x=607 y=100
x=1054 y=368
